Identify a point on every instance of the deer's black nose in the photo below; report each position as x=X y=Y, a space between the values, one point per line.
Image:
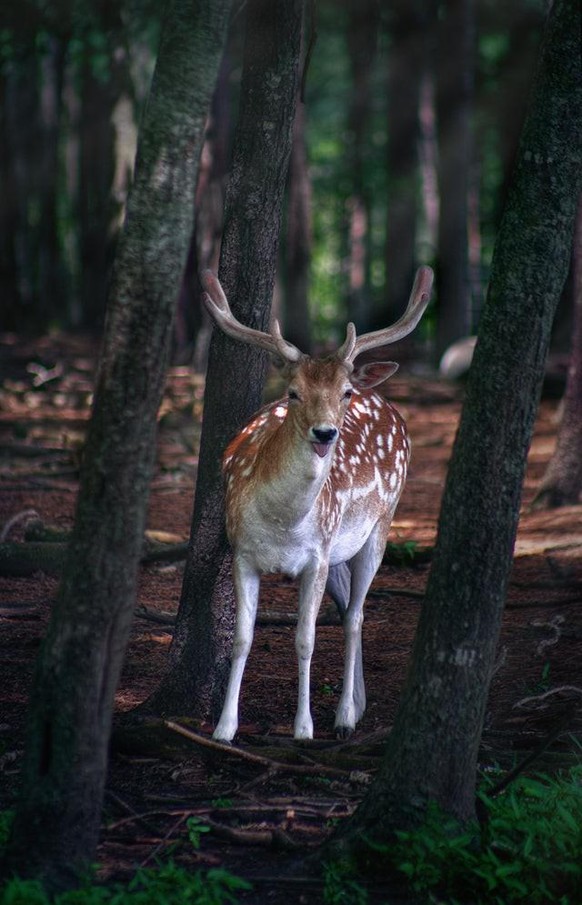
x=324 y=435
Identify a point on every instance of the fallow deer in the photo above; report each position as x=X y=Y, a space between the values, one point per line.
x=312 y=484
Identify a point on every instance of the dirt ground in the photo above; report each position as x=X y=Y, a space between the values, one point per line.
x=261 y=817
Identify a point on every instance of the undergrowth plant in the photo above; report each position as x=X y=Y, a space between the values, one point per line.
x=529 y=850
x=164 y=885
x=6 y=818
x=340 y=887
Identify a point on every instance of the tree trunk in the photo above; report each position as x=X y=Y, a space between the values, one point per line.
x=454 y=101
x=432 y=751
x=407 y=61
x=57 y=819
x=562 y=482
x=50 y=291
x=362 y=25
x=105 y=85
x=20 y=189
x=297 y=328
x=193 y=325
x=200 y=653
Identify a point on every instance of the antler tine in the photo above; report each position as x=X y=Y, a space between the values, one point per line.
x=344 y=353
x=217 y=306
x=417 y=303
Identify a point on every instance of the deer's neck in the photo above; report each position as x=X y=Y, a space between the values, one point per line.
x=290 y=476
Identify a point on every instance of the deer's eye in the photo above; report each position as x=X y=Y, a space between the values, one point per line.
x=293 y=395
x=348 y=393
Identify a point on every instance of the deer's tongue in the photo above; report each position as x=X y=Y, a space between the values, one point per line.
x=321 y=449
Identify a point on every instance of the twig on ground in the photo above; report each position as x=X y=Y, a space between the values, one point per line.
x=271 y=765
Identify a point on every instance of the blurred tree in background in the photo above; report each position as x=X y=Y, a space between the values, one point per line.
x=409 y=109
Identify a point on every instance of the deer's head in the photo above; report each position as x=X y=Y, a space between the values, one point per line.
x=321 y=390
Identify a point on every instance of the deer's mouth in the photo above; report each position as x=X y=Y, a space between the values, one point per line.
x=322 y=449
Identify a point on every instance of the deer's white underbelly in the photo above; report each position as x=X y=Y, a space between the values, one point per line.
x=270 y=551
x=274 y=546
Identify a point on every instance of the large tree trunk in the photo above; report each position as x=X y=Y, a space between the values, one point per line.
x=455 y=63
x=200 y=654
x=57 y=819
x=562 y=482
x=432 y=751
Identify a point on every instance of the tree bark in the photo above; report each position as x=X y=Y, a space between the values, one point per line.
x=57 y=819
x=200 y=653
x=562 y=482
x=431 y=753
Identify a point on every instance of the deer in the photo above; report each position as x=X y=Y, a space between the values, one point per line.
x=312 y=483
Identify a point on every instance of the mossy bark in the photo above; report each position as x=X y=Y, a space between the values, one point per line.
x=57 y=819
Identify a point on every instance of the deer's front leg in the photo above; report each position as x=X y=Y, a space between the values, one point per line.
x=310 y=594
x=246 y=586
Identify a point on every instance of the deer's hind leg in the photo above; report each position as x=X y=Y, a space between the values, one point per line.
x=363 y=566
x=339 y=583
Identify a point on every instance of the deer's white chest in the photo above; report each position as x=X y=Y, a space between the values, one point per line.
x=272 y=544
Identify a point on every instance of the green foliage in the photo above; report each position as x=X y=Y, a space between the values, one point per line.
x=221 y=802
x=340 y=886
x=530 y=848
x=404 y=553
x=6 y=818
x=196 y=828
x=23 y=892
x=543 y=683
x=165 y=885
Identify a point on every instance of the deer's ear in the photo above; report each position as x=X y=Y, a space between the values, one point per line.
x=370 y=375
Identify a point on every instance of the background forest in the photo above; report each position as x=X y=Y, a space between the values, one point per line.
x=402 y=152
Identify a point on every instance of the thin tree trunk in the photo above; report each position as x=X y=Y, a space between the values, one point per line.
x=362 y=25
x=57 y=819
x=100 y=199
x=562 y=482
x=407 y=62
x=50 y=292
x=432 y=751
x=297 y=322
x=21 y=116
x=454 y=102
x=200 y=653
x=193 y=326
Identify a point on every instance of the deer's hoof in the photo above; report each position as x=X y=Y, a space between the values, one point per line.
x=343 y=732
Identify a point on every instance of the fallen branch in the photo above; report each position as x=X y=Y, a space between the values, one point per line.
x=258 y=759
x=19 y=560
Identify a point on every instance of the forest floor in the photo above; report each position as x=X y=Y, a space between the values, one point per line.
x=258 y=818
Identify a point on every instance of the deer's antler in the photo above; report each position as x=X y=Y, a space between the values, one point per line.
x=217 y=306
x=419 y=299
